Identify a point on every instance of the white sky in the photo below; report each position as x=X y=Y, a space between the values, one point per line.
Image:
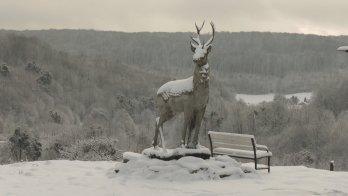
x=325 y=17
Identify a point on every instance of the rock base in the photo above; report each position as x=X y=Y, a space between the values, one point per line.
x=177 y=153
x=187 y=168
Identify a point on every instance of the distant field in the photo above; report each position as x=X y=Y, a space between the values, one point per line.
x=257 y=99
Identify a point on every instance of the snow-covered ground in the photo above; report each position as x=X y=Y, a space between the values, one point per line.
x=65 y=178
x=257 y=99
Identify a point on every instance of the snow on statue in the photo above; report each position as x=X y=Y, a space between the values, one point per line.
x=189 y=95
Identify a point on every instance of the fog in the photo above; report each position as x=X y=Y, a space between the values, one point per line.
x=308 y=17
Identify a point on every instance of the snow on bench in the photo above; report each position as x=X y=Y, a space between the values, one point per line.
x=239 y=146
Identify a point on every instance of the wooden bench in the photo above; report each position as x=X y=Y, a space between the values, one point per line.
x=240 y=146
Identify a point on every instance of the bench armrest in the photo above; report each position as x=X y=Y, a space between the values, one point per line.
x=261 y=147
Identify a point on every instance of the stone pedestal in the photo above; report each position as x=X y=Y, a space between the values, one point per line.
x=186 y=168
x=177 y=153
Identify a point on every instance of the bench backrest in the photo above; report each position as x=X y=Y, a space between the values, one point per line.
x=231 y=140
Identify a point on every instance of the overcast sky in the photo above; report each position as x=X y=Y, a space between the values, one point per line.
x=325 y=17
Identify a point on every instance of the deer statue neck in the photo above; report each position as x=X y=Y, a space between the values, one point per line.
x=200 y=58
x=201 y=77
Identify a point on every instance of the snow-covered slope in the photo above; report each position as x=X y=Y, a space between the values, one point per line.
x=98 y=178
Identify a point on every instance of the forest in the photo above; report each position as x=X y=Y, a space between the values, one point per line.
x=89 y=95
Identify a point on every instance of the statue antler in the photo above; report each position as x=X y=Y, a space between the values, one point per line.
x=199 y=29
x=196 y=40
x=212 y=38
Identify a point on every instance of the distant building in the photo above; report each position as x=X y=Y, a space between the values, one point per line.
x=343 y=48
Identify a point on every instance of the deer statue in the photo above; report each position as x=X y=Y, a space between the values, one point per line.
x=189 y=96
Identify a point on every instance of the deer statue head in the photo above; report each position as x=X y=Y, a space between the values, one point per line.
x=201 y=49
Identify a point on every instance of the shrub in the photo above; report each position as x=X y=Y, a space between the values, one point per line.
x=45 y=78
x=21 y=144
x=33 y=151
x=94 y=149
x=4 y=69
x=55 y=117
x=33 y=67
x=5 y=156
x=303 y=157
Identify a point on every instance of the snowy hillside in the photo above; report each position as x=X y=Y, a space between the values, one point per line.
x=98 y=178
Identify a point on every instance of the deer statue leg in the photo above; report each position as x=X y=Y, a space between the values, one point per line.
x=154 y=142
x=162 y=139
x=183 y=134
x=187 y=116
x=191 y=127
x=159 y=123
x=198 y=122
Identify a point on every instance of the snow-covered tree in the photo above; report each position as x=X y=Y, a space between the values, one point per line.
x=19 y=143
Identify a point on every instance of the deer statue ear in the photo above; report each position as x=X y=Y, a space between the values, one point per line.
x=209 y=49
x=193 y=49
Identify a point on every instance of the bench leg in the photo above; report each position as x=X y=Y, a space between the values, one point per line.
x=255 y=164
x=269 y=164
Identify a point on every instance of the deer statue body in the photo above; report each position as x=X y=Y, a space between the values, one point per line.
x=189 y=96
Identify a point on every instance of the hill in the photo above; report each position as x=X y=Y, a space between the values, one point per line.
x=79 y=90
x=245 y=62
x=61 y=98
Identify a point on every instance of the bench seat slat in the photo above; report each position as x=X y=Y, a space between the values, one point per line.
x=233 y=145
x=219 y=135
x=246 y=142
x=242 y=153
x=231 y=134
